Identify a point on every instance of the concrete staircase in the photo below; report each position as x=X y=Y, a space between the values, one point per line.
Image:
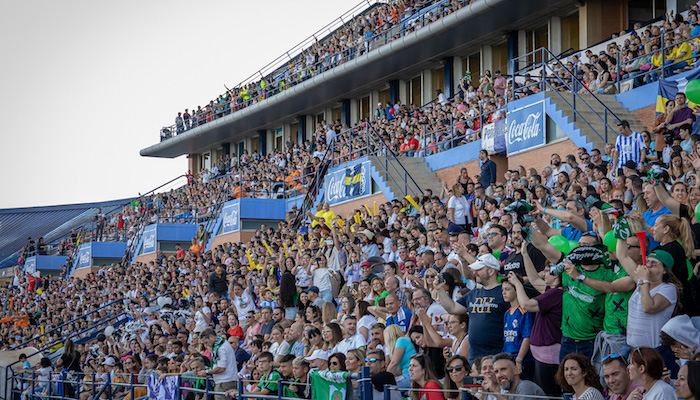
x=588 y=115
x=416 y=168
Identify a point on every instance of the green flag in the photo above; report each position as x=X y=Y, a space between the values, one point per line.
x=621 y=228
x=330 y=385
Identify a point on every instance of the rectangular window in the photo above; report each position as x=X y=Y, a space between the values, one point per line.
x=416 y=95
x=500 y=58
x=569 y=32
x=438 y=81
x=365 y=110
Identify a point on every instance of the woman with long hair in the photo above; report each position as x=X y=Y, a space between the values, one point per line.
x=577 y=375
x=456 y=369
x=562 y=181
x=400 y=348
x=70 y=361
x=276 y=338
x=654 y=300
x=430 y=281
x=687 y=384
x=312 y=312
x=424 y=382
x=458 y=207
x=313 y=340
x=336 y=362
x=458 y=326
x=668 y=230
x=422 y=338
x=332 y=335
x=646 y=368
x=677 y=170
x=347 y=307
x=377 y=287
x=289 y=296
x=364 y=287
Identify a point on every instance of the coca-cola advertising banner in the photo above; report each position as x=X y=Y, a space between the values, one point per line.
x=231 y=217
x=348 y=183
x=526 y=128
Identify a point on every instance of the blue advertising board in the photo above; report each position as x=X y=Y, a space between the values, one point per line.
x=85 y=256
x=526 y=128
x=231 y=217
x=348 y=183
x=149 y=239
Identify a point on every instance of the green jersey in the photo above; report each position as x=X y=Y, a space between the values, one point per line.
x=583 y=308
x=269 y=382
x=615 y=321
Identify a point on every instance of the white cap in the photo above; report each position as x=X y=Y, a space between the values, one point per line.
x=109 y=361
x=318 y=355
x=379 y=104
x=486 y=260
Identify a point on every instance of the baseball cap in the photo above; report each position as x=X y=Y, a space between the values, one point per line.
x=312 y=289
x=318 y=355
x=486 y=260
x=109 y=361
x=630 y=164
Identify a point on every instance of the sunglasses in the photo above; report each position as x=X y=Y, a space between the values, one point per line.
x=456 y=368
x=493 y=234
x=335 y=363
x=614 y=356
x=372 y=360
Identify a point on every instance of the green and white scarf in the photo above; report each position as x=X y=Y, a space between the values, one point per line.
x=220 y=340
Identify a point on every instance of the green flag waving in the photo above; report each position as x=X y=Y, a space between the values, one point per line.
x=330 y=385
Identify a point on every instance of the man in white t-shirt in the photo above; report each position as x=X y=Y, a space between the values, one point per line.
x=243 y=302
x=353 y=339
x=224 y=369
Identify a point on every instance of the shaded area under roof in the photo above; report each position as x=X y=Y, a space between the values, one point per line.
x=51 y=222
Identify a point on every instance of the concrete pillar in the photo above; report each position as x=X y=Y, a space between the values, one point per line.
x=373 y=101
x=393 y=91
x=512 y=46
x=522 y=43
x=458 y=68
x=262 y=141
x=449 y=88
x=270 y=140
x=345 y=112
x=193 y=163
x=302 y=129
x=403 y=94
x=354 y=111
x=486 y=59
x=427 y=85
x=555 y=35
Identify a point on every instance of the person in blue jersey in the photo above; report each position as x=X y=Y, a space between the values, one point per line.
x=628 y=146
x=392 y=312
x=485 y=306
x=517 y=325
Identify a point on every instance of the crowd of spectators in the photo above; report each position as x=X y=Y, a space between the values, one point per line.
x=384 y=22
x=534 y=280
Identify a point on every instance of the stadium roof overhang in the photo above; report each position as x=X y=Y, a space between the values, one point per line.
x=483 y=21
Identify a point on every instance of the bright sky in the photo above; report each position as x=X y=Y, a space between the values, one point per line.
x=86 y=84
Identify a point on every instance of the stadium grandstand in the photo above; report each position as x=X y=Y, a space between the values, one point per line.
x=430 y=199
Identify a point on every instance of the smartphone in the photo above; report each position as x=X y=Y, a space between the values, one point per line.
x=441 y=278
x=318 y=259
x=473 y=381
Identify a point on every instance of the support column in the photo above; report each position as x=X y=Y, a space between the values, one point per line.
x=486 y=59
x=301 y=137
x=345 y=112
x=555 y=35
x=448 y=66
x=262 y=141
x=354 y=111
x=394 y=91
x=428 y=89
x=512 y=46
x=403 y=95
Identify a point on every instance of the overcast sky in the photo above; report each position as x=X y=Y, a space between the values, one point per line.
x=87 y=84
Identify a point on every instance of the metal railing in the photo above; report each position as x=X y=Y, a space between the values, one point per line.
x=655 y=71
x=10 y=375
x=550 y=76
x=287 y=71
x=73 y=321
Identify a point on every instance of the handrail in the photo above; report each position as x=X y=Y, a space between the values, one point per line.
x=545 y=81
x=391 y=152
x=317 y=180
x=66 y=323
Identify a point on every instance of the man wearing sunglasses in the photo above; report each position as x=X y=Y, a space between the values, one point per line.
x=617 y=380
x=377 y=368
